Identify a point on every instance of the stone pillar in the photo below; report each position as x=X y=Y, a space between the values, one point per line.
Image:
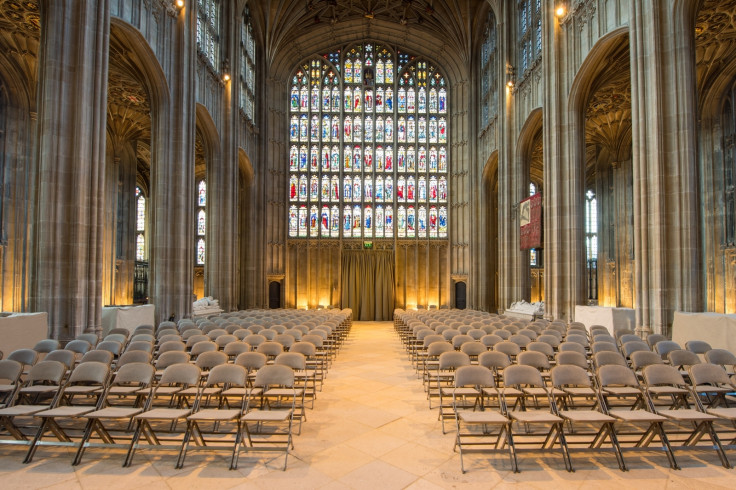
x=72 y=96
x=172 y=173
x=663 y=94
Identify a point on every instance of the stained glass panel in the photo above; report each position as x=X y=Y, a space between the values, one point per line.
x=344 y=170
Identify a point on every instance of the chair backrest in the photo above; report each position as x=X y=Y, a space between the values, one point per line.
x=606 y=358
x=629 y=337
x=117 y=337
x=665 y=347
x=46 y=345
x=604 y=338
x=90 y=373
x=722 y=357
x=571 y=358
x=143 y=337
x=255 y=340
x=270 y=348
x=10 y=371
x=166 y=359
x=494 y=360
x=634 y=346
x=708 y=374
x=535 y=359
x=507 y=347
x=662 y=374
x=120 y=331
x=144 y=329
x=294 y=360
x=476 y=333
x=698 y=346
x=542 y=347
x=216 y=332
x=169 y=338
x=172 y=345
x=473 y=349
x=227 y=374
x=101 y=356
x=306 y=348
x=47 y=372
x=191 y=332
x=571 y=346
x=285 y=340
x=66 y=357
x=616 y=375
x=251 y=360
x=225 y=339
x=135 y=356
x=504 y=334
x=460 y=339
x=654 y=338
x=92 y=338
x=207 y=360
x=577 y=338
x=78 y=346
x=569 y=375
x=640 y=359
x=181 y=374
x=294 y=332
x=450 y=333
x=143 y=345
x=552 y=340
x=439 y=347
x=233 y=349
x=520 y=340
x=623 y=331
x=201 y=347
x=27 y=357
x=477 y=376
x=314 y=339
x=112 y=346
x=274 y=375
x=682 y=358
x=604 y=347
x=268 y=333
x=429 y=339
x=489 y=340
x=528 y=332
x=453 y=360
x=518 y=374
x=166 y=325
x=195 y=339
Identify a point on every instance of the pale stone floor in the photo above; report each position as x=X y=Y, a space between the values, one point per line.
x=371 y=428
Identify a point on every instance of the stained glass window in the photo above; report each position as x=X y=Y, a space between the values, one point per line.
x=247 y=67
x=201 y=220
x=140 y=225
x=208 y=31
x=591 y=226
x=529 y=34
x=489 y=73
x=346 y=175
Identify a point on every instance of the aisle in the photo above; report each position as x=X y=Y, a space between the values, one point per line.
x=370 y=429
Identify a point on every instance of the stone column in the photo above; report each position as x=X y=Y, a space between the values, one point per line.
x=72 y=96
x=663 y=94
x=172 y=173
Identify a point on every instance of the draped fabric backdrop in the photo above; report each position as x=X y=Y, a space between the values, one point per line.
x=368 y=284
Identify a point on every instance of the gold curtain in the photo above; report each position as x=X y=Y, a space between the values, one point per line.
x=368 y=284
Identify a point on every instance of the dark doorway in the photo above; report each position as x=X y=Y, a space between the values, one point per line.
x=274 y=295
x=460 y=293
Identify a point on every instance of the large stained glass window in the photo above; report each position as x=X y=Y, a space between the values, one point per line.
x=368 y=146
x=208 y=31
x=247 y=67
x=201 y=221
x=140 y=225
x=489 y=72
x=530 y=34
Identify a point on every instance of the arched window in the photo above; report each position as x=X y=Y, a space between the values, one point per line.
x=489 y=72
x=140 y=225
x=729 y=172
x=208 y=31
x=361 y=120
x=201 y=221
x=529 y=34
x=591 y=226
x=247 y=67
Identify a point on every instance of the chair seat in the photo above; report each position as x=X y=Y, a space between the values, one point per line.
x=460 y=391
x=637 y=416
x=64 y=412
x=586 y=416
x=542 y=392
x=283 y=392
x=504 y=391
x=215 y=414
x=484 y=417
x=164 y=414
x=723 y=413
x=113 y=413
x=39 y=389
x=81 y=390
x=163 y=390
x=667 y=390
x=4 y=388
x=532 y=416
x=712 y=389
x=579 y=391
x=123 y=390
x=241 y=391
x=622 y=390
x=687 y=414
x=205 y=391
x=18 y=410
x=266 y=416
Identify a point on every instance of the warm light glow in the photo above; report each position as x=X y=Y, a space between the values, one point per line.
x=180 y=3
x=560 y=11
x=226 y=77
x=510 y=83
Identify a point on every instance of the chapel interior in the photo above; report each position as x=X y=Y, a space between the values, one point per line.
x=376 y=156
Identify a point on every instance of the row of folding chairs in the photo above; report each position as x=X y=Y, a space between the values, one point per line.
x=612 y=408
x=240 y=397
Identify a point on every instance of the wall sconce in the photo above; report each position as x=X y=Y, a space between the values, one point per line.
x=510 y=76
x=560 y=9
x=225 y=77
x=226 y=70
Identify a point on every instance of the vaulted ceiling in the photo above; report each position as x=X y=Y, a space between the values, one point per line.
x=715 y=43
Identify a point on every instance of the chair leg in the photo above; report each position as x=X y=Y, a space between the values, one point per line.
x=85 y=437
x=34 y=442
x=133 y=444
x=184 y=445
